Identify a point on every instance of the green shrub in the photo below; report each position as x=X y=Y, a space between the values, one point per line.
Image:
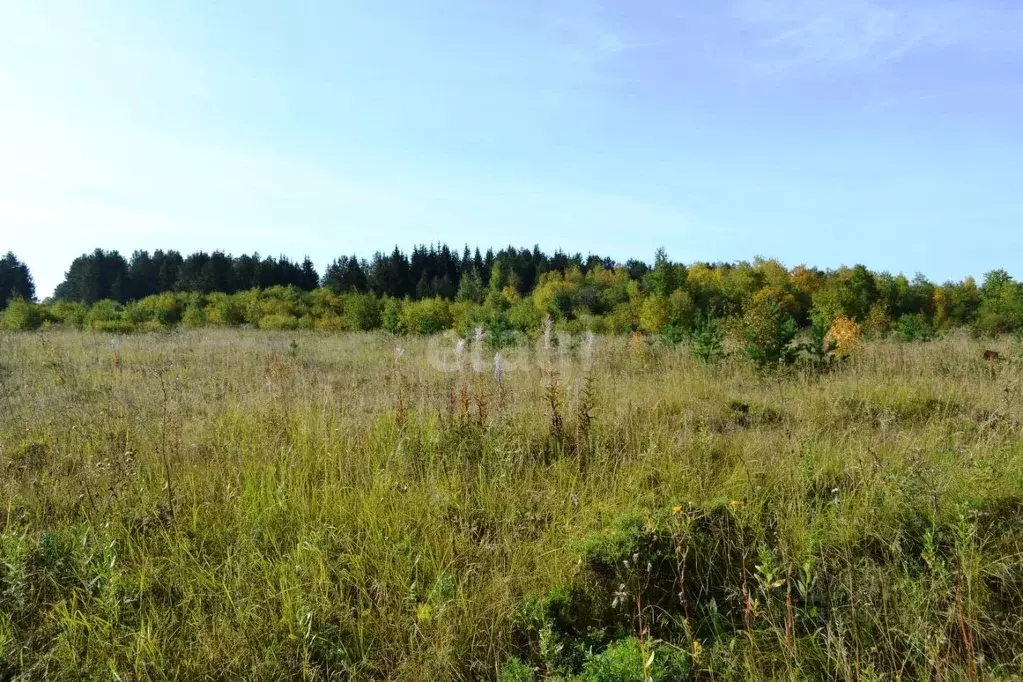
x=361 y=312
x=194 y=316
x=914 y=328
x=166 y=308
x=769 y=333
x=329 y=322
x=391 y=317
x=286 y=301
x=516 y=671
x=103 y=315
x=672 y=333
x=631 y=660
x=151 y=326
x=278 y=323
x=653 y=314
x=134 y=314
x=323 y=302
x=224 y=311
x=428 y=316
x=707 y=341
x=69 y=313
x=588 y=629
x=522 y=315
x=113 y=326
x=1001 y=304
x=818 y=350
x=22 y=315
x=465 y=316
x=500 y=333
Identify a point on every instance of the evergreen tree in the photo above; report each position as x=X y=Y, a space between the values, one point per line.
x=637 y=269
x=94 y=277
x=246 y=271
x=477 y=263
x=346 y=274
x=666 y=276
x=168 y=268
x=15 y=280
x=471 y=288
x=144 y=275
x=310 y=278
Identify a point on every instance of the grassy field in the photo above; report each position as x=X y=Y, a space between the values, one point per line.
x=247 y=505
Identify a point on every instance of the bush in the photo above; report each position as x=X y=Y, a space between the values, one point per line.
x=224 y=311
x=166 y=308
x=69 y=313
x=273 y=301
x=623 y=318
x=428 y=316
x=769 y=333
x=821 y=347
x=844 y=336
x=653 y=314
x=586 y=631
x=103 y=315
x=672 y=333
x=391 y=318
x=913 y=328
x=361 y=312
x=323 y=302
x=707 y=342
x=465 y=316
x=877 y=323
x=134 y=314
x=22 y=315
x=516 y=671
x=329 y=323
x=522 y=315
x=151 y=326
x=194 y=316
x=113 y=326
x=630 y=659
x=278 y=323
x=499 y=332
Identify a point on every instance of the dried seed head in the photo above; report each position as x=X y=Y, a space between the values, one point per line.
x=498 y=368
x=477 y=351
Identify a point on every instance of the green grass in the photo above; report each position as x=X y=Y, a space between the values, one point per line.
x=335 y=513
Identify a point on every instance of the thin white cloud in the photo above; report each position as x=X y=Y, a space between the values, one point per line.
x=841 y=32
x=586 y=39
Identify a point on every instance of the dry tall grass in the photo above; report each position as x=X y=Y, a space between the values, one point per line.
x=232 y=505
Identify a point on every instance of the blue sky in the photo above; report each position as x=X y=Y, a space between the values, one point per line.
x=820 y=131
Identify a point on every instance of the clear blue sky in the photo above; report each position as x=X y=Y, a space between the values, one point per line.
x=887 y=132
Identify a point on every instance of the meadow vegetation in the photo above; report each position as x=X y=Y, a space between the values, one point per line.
x=741 y=501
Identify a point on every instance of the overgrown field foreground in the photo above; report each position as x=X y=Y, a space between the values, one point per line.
x=234 y=505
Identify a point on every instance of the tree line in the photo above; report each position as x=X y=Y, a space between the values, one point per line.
x=436 y=287
x=429 y=271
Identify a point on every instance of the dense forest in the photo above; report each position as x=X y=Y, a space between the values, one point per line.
x=436 y=288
